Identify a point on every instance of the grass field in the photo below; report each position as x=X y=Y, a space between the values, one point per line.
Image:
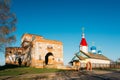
x=30 y=73
x=25 y=70
x=13 y=70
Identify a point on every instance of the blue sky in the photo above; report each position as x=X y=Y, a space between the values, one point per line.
x=63 y=19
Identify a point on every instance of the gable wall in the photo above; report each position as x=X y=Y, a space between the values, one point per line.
x=43 y=46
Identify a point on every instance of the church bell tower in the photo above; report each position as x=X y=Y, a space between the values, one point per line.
x=83 y=44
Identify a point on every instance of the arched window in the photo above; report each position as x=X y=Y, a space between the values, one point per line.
x=49 y=47
x=39 y=57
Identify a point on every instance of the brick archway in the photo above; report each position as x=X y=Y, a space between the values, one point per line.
x=49 y=58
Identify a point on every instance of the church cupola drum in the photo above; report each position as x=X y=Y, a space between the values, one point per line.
x=83 y=43
x=93 y=49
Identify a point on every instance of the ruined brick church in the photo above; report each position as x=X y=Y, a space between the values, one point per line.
x=36 y=51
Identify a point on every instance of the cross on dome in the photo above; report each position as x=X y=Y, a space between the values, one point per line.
x=83 y=29
x=83 y=41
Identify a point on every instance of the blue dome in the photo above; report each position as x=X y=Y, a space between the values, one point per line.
x=93 y=48
x=99 y=52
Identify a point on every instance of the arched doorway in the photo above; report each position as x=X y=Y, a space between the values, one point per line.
x=49 y=58
x=89 y=66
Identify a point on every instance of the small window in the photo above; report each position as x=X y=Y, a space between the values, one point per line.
x=52 y=58
x=49 y=47
x=39 y=57
x=40 y=47
x=10 y=51
x=59 y=60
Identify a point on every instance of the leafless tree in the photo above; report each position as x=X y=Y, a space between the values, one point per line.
x=7 y=25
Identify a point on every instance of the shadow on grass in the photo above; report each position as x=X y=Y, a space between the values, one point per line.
x=9 y=66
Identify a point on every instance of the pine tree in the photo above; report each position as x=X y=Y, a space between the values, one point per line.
x=7 y=25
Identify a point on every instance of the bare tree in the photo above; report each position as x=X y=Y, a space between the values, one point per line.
x=7 y=25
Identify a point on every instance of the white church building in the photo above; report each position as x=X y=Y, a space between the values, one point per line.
x=93 y=59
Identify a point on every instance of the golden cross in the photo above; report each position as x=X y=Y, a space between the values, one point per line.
x=83 y=29
x=93 y=43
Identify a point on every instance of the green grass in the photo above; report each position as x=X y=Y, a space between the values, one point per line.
x=25 y=70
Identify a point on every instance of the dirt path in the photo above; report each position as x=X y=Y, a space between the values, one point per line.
x=68 y=75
